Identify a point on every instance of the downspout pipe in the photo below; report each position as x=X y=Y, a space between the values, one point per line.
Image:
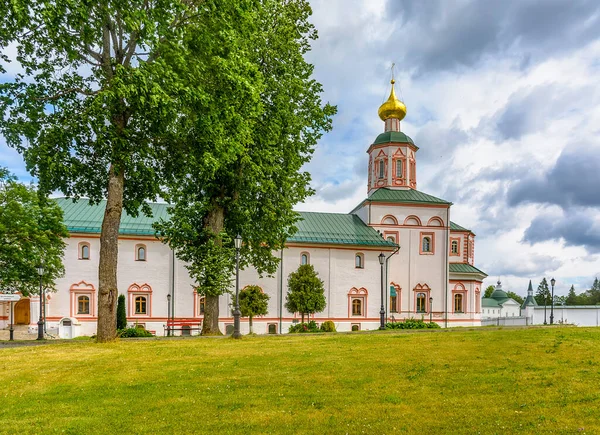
x=447 y=284
x=281 y=290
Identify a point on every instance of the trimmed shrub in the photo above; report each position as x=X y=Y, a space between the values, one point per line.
x=304 y=327
x=134 y=332
x=412 y=324
x=121 y=313
x=328 y=326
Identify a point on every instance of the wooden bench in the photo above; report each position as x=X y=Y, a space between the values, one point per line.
x=185 y=326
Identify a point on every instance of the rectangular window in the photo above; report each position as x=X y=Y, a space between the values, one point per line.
x=421 y=303
x=381 y=169
x=393 y=304
x=398 y=168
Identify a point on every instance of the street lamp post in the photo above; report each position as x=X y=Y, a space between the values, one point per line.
x=169 y=315
x=430 y=309
x=552 y=282
x=545 y=300
x=236 y=310
x=12 y=330
x=40 y=271
x=381 y=311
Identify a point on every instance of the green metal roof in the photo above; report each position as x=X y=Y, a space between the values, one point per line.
x=82 y=217
x=336 y=228
x=333 y=228
x=393 y=137
x=456 y=227
x=464 y=268
x=489 y=302
x=405 y=196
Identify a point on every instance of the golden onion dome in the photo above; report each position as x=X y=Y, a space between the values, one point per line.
x=393 y=107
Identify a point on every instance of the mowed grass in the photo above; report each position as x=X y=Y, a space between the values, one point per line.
x=540 y=380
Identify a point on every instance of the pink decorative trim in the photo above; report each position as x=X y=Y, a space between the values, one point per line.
x=432 y=238
x=82 y=288
x=412 y=216
x=358 y=293
x=134 y=291
x=435 y=219
x=389 y=216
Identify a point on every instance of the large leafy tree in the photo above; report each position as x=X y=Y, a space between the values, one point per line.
x=306 y=293
x=104 y=94
x=246 y=178
x=253 y=302
x=31 y=233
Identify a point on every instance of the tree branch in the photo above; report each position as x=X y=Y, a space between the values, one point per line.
x=66 y=92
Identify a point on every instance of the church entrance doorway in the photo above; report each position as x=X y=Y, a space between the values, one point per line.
x=22 y=312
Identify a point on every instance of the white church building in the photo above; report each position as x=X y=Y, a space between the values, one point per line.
x=430 y=269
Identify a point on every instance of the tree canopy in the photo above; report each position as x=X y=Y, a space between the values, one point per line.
x=306 y=294
x=246 y=176
x=253 y=302
x=488 y=291
x=116 y=97
x=31 y=233
x=542 y=295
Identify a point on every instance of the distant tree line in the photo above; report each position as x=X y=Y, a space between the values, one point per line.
x=544 y=294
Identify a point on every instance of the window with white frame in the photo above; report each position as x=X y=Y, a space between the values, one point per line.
x=359 y=261
x=140 y=253
x=304 y=258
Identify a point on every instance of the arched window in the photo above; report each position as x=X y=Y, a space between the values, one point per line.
x=393 y=304
x=83 y=305
x=304 y=258
x=381 y=168
x=391 y=239
x=359 y=261
x=458 y=303
x=357 y=307
x=140 y=305
x=140 y=253
x=426 y=244
x=357 y=301
x=201 y=305
x=421 y=303
x=455 y=246
x=84 y=251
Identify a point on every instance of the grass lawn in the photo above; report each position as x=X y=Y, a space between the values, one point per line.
x=459 y=381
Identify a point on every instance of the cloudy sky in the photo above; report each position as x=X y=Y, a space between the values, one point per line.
x=503 y=101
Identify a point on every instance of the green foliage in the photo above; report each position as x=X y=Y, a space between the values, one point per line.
x=328 y=326
x=246 y=144
x=588 y=297
x=488 y=291
x=516 y=297
x=306 y=293
x=542 y=295
x=121 y=313
x=412 y=324
x=304 y=327
x=31 y=232
x=134 y=333
x=253 y=302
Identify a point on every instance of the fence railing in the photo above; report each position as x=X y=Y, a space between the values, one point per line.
x=506 y=321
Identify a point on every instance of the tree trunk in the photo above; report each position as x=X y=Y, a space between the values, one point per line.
x=109 y=251
x=215 y=221
x=250 y=321
x=210 y=325
x=302 y=317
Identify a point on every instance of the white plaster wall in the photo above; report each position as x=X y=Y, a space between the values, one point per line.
x=580 y=315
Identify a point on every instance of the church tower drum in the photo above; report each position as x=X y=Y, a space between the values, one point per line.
x=392 y=162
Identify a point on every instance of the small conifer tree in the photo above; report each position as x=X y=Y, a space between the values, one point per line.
x=121 y=313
